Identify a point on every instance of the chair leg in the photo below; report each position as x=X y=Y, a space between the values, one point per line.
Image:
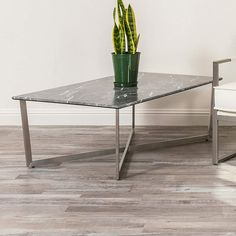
x=215 y=139
x=210 y=132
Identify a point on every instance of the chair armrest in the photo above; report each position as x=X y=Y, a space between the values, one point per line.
x=216 y=65
x=225 y=60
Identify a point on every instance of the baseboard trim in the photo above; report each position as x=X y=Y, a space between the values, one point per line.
x=97 y=116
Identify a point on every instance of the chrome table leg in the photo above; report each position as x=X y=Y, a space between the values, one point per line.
x=133 y=117
x=121 y=158
x=117 y=144
x=26 y=134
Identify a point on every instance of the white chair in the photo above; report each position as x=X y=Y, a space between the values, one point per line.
x=224 y=109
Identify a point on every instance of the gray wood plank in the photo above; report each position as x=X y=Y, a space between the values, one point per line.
x=171 y=191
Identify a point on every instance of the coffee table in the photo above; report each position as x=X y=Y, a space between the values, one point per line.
x=101 y=93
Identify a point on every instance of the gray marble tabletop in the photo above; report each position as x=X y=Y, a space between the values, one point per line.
x=101 y=92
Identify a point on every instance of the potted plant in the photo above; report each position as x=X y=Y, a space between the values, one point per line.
x=125 y=42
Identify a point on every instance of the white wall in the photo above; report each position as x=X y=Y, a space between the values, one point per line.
x=47 y=43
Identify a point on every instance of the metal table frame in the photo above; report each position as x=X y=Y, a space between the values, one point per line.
x=120 y=157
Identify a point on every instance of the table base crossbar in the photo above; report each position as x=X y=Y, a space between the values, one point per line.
x=227 y=158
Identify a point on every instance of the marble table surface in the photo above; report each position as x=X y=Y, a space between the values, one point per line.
x=101 y=92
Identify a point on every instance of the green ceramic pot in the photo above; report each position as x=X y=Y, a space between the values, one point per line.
x=126 y=69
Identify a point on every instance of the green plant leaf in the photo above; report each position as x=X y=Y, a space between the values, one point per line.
x=116 y=35
x=121 y=28
x=131 y=45
x=114 y=15
x=122 y=39
x=136 y=43
x=122 y=6
x=121 y=21
x=116 y=39
x=132 y=23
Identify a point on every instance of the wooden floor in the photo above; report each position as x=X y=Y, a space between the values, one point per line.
x=172 y=191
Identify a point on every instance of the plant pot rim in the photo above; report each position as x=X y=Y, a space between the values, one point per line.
x=125 y=54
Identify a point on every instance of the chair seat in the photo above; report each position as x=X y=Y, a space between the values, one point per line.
x=225 y=98
x=226 y=113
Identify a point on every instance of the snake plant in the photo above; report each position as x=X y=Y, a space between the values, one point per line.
x=124 y=33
